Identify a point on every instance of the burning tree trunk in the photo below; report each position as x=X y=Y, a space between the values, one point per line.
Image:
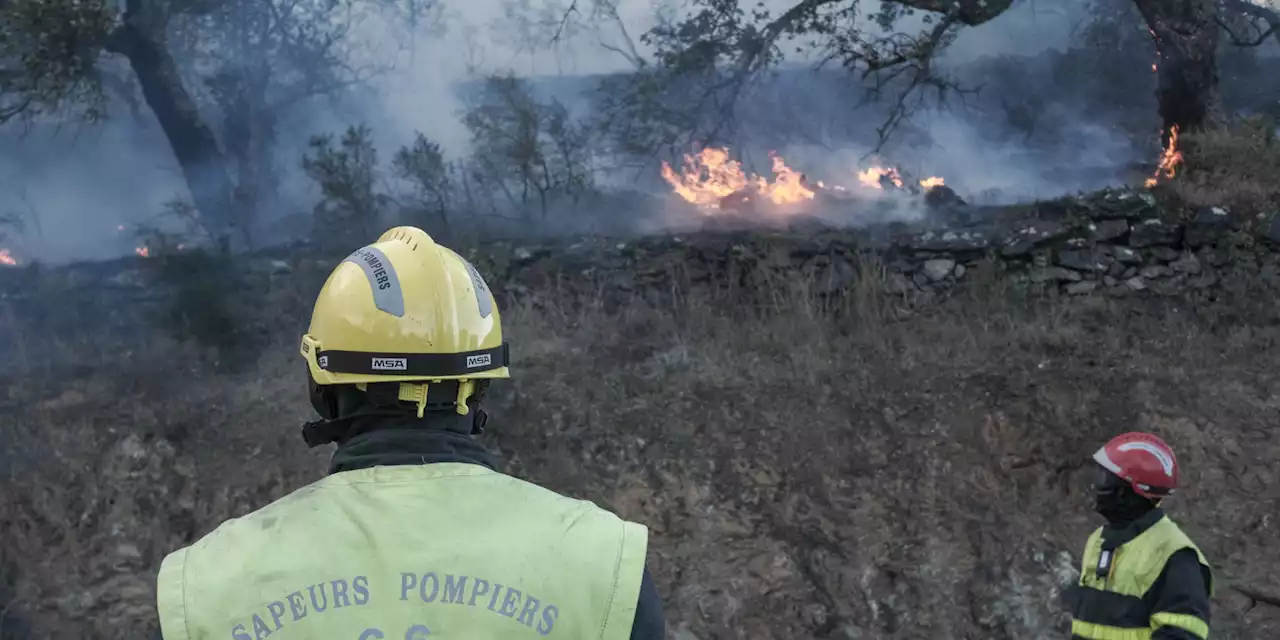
x=1186 y=36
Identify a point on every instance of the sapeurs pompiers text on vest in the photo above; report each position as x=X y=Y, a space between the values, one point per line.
x=429 y=588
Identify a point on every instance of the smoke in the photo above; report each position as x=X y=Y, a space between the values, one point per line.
x=80 y=183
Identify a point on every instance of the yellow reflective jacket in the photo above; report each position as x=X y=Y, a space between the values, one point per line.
x=446 y=550
x=1114 y=598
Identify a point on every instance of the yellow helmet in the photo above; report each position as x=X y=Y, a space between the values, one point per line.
x=405 y=310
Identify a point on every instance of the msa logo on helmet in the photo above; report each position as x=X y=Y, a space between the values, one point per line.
x=323 y=361
x=482 y=360
x=389 y=364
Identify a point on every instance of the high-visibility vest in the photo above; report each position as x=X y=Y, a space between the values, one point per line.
x=1109 y=600
x=445 y=550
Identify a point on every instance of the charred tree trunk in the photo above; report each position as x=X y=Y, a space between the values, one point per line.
x=250 y=134
x=1186 y=36
x=140 y=38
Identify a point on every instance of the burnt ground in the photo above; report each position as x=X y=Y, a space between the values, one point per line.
x=809 y=468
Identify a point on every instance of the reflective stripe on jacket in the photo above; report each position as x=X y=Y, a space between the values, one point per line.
x=1117 y=595
x=446 y=550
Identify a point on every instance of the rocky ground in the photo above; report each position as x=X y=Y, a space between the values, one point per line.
x=835 y=434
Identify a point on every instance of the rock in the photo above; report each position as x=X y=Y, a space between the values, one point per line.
x=1081 y=288
x=1163 y=254
x=1167 y=286
x=1122 y=204
x=1214 y=257
x=1108 y=230
x=522 y=254
x=837 y=276
x=938 y=269
x=1154 y=231
x=810 y=225
x=1270 y=228
x=959 y=241
x=1204 y=281
x=1024 y=239
x=1135 y=284
x=129 y=279
x=1110 y=281
x=1125 y=255
x=1054 y=274
x=1270 y=274
x=942 y=196
x=1153 y=271
x=1083 y=260
x=1207 y=226
x=280 y=267
x=1187 y=264
x=960 y=270
x=898 y=283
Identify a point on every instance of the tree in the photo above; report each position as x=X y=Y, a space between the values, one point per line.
x=723 y=44
x=51 y=53
x=351 y=205
x=727 y=45
x=423 y=164
x=530 y=150
x=254 y=61
x=248 y=59
x=1186 y=34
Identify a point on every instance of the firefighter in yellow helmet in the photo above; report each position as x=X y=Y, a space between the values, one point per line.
x=414 y=534
x=1141 y=577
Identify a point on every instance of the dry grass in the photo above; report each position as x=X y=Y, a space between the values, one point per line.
x=1237 y=167
x=809 y=468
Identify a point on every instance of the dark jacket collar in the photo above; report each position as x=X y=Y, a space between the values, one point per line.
x=382 y=441
x=1114 y=536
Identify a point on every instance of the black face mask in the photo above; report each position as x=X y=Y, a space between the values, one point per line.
x=1115 y=500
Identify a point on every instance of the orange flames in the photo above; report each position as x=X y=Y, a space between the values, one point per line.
x=7 y=258
x=710 y=175
x=875 y=177
x=1169 y=160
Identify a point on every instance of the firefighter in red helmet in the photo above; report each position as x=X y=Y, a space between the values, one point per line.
x=1141 y=577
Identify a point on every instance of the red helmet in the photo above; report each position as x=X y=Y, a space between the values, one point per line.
x=1144 y=461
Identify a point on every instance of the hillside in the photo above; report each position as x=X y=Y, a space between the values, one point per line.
x=831 y=433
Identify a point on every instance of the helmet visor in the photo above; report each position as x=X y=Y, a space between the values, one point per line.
x=1106 y=482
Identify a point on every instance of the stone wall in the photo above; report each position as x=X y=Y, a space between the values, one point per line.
x=1113 y=243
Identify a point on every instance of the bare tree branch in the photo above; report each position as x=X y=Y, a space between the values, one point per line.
x=1255 y=13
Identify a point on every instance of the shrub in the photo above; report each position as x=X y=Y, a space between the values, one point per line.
x=1237 y=166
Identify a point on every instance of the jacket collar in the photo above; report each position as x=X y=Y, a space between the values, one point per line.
x=400 y=441
x=1115 y=536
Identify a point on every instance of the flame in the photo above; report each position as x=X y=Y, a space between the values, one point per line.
x=1156 y=38
x=1169 y=160
x=875 y=177
x=143 y=252
x=7 y=258
x=710 y=175
x=789 y=185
